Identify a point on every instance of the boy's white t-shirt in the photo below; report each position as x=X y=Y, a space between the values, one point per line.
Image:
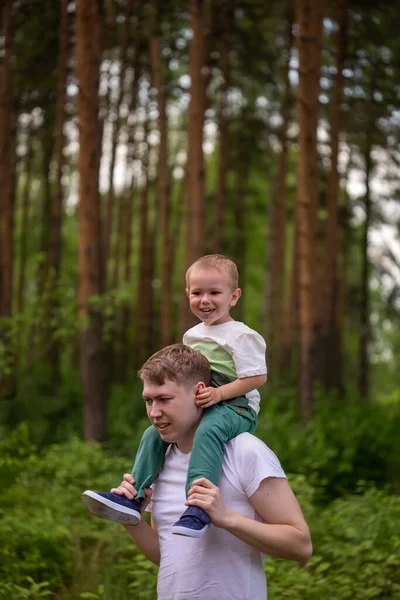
x=217 y=566
x=232 y=348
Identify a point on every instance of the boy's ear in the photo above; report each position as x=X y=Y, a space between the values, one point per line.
x=235 y=296
x=187 y=292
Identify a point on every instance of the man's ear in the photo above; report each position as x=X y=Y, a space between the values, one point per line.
x=199 y=387
x=235 y=296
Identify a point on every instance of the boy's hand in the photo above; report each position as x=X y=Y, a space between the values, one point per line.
x=208 y=396
x=126 y=489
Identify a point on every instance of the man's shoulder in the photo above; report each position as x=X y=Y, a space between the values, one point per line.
x=248 y=461
x=246 y=445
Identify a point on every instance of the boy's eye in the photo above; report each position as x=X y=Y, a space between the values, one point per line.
x=215 y=293
x=195 y=293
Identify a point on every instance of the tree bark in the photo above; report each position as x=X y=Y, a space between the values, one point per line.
x=329 y=323
x=88 y=55
x=309 y=42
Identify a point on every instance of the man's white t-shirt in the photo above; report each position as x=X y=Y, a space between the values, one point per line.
x=217 y=566
x=231 y=348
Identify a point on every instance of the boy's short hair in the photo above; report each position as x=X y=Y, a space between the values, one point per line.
x=178 y=363
x=220 y=262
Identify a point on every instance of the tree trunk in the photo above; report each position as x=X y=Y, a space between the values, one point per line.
x=195 y=209
x=23 y=237
x=7 y=383
x=163 y=187
x=143 y=308
x=220 y=195
x=365 y=333
x=88 y=55
x=329 y=324
x=126 y=365
x=277 y=229
x=6 y=165
x=57 y=205
x=309 y=42
x=115 y=129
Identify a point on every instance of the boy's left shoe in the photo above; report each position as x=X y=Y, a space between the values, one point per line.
x=193 y=523
x=113 y=507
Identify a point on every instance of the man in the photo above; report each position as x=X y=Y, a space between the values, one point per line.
x=253 y=510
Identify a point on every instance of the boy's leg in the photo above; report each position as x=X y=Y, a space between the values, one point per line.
x=148 y=463
x=149 y=460
x=219 y=424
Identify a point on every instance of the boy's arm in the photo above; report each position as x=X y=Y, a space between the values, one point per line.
x=239 y=387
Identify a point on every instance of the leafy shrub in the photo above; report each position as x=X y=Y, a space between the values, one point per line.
x=356 y=553
x=51 y=547
x=343 y=445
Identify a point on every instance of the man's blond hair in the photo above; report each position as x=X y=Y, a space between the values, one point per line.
x=217 y=261
x=178 y=363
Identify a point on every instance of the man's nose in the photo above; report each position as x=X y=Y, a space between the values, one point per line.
x=155 y=410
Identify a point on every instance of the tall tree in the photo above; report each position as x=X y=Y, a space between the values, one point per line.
x=195 y=202
x=277 y=231
x=6 y=164
x=226 y=19
x=163 y=183
x=88 y=55
x=7 y=384
x=365 y=333
x=115 y=124
x=57 y=204
x=329 y=324
x=309 y=15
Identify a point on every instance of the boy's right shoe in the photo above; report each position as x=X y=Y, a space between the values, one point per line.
x=113 y=507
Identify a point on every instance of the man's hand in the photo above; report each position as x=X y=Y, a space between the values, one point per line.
x=126 y=489
x=206 y=495
x=208 y=396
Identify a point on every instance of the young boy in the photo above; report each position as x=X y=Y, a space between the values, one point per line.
x=236 y=354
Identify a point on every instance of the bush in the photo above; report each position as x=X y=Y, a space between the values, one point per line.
x=343 y=445
x=51 y=547
x=356 y=553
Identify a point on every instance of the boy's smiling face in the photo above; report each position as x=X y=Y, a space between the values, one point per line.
x=211 y=295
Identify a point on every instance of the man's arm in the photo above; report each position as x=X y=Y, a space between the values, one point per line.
x=284 y=532
x=146 y=539
x=144 y=536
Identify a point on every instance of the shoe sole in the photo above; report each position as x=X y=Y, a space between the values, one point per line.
x=193 y=533
x=107 y=509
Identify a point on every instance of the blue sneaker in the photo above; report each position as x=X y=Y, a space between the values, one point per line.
x=193 y=523
x=113 y=507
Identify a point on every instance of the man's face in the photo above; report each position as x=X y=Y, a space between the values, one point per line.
x=172 y=410
x=211 y=295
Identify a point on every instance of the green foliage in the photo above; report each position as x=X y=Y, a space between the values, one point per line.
x=50 y=546
x=356 y=553
x=346 y=442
